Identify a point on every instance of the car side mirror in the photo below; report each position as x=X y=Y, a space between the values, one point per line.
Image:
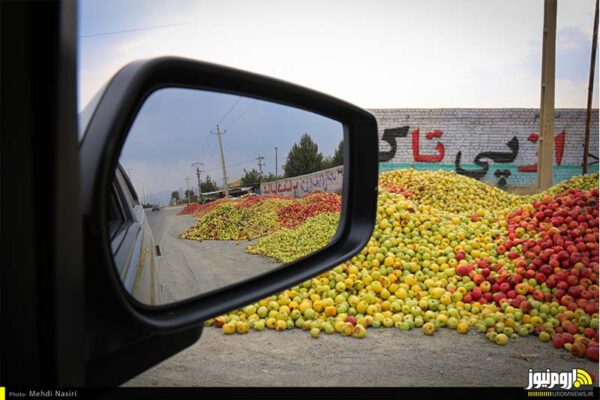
x=110 y=118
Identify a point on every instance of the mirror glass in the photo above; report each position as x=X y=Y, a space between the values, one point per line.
x=212 y=189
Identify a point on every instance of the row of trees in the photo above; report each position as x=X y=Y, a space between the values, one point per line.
x=208 y=185
x=303 y=158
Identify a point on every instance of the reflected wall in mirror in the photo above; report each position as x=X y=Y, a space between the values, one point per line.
x=212 y=189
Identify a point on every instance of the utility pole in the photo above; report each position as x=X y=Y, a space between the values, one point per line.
x=588 y=115
x=187 y=181
x=276 y=177
x=544 y=175
x=260 y=165
x=197 y=165
x=219 y=133
x=276 y=163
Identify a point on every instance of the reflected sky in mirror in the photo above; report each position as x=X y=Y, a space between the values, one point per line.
x=173 y=130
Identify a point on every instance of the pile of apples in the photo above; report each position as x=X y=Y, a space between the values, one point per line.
x=198 y=210
x=258 y=216
x=552 y=244
x=228 y=221
x=453 y=253
x=286 y=245
x=307 y=207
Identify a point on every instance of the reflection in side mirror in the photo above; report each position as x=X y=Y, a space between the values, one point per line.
x=213 y=189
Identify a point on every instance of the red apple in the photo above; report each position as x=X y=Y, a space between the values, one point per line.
x=578 y=350
x=589 y=332
x=558 y=342
x=592 y=354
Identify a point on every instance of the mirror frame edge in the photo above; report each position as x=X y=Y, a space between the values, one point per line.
x=105 y=137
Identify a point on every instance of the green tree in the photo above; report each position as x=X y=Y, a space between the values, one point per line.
x=303 y=158
x=192 y=196
x=337 y=158
x=271 y=177
x=209 y=185
x=175 y=194
x=251 y=178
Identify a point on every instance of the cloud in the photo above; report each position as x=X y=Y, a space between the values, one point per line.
x=383 y=54
x=573 y=50
x=572 y=38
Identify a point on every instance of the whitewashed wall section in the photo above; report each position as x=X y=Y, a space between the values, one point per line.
x=327 y=180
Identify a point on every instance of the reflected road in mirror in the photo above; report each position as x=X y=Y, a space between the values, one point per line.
x=189 y=267
x=231 y=187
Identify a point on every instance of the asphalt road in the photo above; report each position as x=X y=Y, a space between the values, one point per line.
x=388 y=357
x=188 y=267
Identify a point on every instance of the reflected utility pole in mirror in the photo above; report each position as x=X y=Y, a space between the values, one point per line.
x=276 y=188
x=187 y=194
x=260 y=165
x=219 y=133
x=197 y=165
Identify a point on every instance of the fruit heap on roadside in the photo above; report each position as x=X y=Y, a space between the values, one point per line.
x=449 y=251
x=229 y=221
x=258 y=216
x=287 y=245
x=199 y=209
x=310 y=206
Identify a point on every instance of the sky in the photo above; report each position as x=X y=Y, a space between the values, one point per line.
x=173 y=130
x=373 y=53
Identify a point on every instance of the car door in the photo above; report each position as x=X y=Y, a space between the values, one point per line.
x=132 y=242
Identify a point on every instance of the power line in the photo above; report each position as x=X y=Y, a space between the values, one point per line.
x=204 y=147
x=228 y=111
x=130 y=30
x=211 y=153
x=243 y=162
x=232 y=165
x=242 y=114
x=206 y=143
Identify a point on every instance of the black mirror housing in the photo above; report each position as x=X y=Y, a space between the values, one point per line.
x=105 y=136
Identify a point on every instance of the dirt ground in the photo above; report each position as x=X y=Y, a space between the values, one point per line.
x=387 y=357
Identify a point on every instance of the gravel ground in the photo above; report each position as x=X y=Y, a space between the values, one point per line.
x=386 y=357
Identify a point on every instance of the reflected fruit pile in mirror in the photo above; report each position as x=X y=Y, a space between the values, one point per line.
x=254 y=217
x=451 y=252
x=236 y=220
x=310 y=206
x=287 y=245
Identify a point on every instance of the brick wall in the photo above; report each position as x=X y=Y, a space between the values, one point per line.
x=497 y=146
